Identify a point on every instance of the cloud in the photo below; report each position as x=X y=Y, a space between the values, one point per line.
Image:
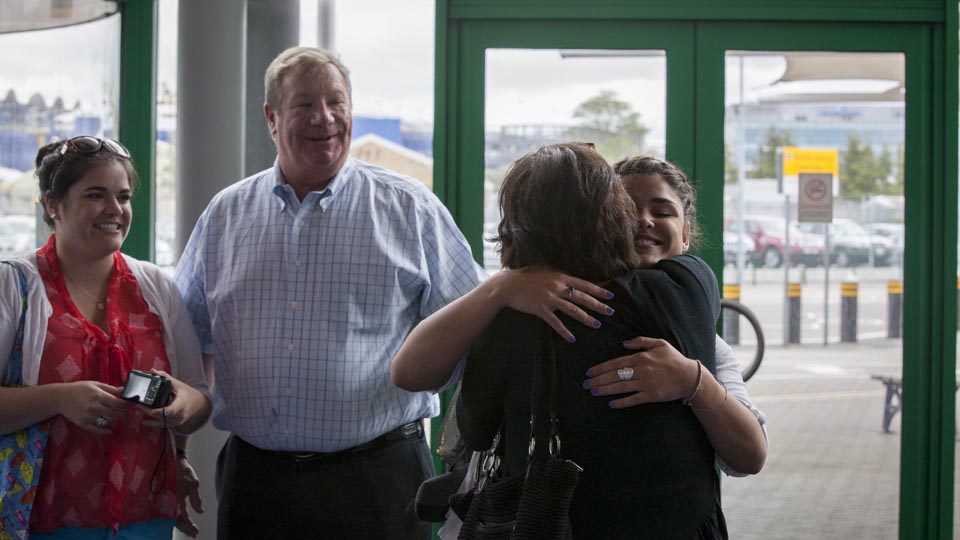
x=76 y=62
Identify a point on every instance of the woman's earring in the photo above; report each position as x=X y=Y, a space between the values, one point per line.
x=53 y=216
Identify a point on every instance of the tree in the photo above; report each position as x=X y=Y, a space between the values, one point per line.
x=731 y=172
x=767 y=160
x=899 y=172
x=863 y=173
x=610 y=124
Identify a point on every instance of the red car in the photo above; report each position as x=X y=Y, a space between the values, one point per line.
x=768 y=234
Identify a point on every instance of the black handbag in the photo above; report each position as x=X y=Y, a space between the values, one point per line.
x=532 y=506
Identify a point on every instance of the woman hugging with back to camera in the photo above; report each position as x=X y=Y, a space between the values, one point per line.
x=647 y=454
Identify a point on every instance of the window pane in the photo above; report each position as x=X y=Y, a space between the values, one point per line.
x=805 y=143
x=51 y=91
x=392 y=101
x=166 y=183
x=614 y=99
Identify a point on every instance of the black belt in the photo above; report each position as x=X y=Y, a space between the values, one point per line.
x=406 y=431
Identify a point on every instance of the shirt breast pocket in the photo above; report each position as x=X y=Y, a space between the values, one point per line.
x=373 y=299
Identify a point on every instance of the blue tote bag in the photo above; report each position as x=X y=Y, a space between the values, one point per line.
x=21 y=453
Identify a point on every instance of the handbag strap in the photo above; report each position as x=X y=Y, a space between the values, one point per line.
x=15 y=369
x=544 y=358
x=492 y=458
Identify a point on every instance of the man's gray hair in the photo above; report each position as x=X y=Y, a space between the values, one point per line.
x=295 y=60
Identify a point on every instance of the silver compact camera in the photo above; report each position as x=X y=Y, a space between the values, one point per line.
x=147 y=389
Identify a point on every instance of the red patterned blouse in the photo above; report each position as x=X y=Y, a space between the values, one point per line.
x=91 y=480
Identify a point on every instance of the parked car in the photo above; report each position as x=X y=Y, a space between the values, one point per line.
x=730 y=242
x=17 y=234
x=894 y=232
x=769 y=234
x=851 y=244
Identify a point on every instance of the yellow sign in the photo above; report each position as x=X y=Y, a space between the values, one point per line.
x=810 y=160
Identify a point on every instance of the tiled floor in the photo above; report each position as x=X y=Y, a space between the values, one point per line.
x=831 y=471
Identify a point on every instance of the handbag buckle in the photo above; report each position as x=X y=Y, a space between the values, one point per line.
x=555 y=445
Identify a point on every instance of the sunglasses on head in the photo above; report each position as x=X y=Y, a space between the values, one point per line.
x=85 y=144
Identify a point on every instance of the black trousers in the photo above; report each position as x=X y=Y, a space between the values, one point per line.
x=365 y=495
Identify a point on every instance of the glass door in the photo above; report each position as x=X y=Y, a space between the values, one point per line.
x=817 y=277
x=810 y=144
x=751 y=116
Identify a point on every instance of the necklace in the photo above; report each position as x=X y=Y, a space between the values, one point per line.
x=99 y=302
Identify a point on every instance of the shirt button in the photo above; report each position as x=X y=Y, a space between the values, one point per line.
x=302 y=222
x=295 y=304
x=296 y=263
x=288 y=391
x=291 y=347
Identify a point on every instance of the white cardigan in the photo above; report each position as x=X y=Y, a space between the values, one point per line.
x=158 y=289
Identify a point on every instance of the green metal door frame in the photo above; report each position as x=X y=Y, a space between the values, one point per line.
x=927 y=468
x=138 y=125
x=924 y=31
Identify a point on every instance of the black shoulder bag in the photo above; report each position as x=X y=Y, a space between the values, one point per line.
x=535 y=505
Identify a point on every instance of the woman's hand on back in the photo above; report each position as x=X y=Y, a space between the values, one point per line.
x=541 y=291
x=429 y=355
x=660 y=373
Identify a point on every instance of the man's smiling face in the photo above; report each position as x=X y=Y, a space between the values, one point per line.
x=312 y=126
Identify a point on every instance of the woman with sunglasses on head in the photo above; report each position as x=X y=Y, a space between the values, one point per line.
x=93 y=315
x=648 y=463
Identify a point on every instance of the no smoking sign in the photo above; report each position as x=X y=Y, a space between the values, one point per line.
x=815 y=201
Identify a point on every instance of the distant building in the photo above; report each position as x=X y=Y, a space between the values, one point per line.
x=818 y=125
x=377 y=150
x=505 y=146
x=24 y=127
x=386 y=128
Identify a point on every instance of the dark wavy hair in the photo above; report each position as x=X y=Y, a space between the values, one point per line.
x=57 y=172
x=673 y=177
x=564 y=206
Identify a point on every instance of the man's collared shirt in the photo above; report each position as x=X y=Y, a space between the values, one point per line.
x=304 y=304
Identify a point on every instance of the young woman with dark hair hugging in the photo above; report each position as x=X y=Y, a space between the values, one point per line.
x=648 y=454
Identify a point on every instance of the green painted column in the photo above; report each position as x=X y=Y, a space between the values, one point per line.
x=138 y=127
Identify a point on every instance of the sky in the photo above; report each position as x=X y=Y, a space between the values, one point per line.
x=76 y=62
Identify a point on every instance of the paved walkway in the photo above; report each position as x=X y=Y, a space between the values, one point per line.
x=831 y=472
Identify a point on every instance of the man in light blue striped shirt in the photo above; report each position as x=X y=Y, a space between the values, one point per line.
x=303 y=280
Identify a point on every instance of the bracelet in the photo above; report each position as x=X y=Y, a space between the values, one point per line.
x=689 y=399
x=181 y=453
x=718 y=407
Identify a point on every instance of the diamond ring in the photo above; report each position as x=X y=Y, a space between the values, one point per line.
x=570 y=293
x=101 y=422
x=625 y=373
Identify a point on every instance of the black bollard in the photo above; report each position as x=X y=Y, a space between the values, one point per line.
x=894 y=309
x=793 y=324
x=848 y=312
x=731 y=320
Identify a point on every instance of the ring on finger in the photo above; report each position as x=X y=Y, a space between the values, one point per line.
x=101 y=422
x=570 y=293
x=625 y=373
